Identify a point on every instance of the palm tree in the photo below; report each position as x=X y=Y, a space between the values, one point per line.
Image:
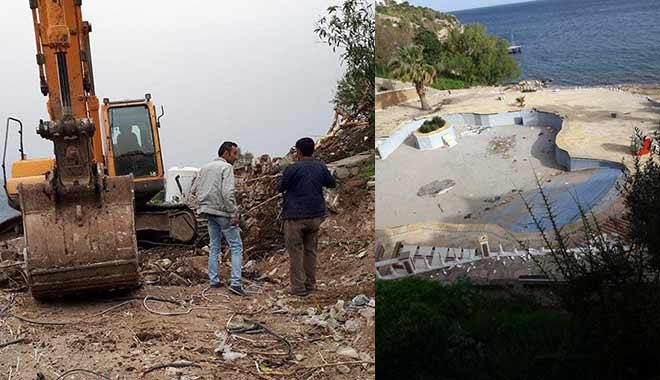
x=409 y=66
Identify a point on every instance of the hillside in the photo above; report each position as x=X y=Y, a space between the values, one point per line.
x=396 y=25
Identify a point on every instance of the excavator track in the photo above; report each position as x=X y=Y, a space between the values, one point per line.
x=173 y=222
x=85 y=243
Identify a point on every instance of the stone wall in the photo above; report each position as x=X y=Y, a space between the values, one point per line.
x=394 y=97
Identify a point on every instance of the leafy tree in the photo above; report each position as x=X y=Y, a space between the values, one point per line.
x=431 y=47
x=479 y=57
x=409 y=66
x=351 y=29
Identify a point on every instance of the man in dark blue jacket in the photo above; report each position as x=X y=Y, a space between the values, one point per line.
x=304 y=209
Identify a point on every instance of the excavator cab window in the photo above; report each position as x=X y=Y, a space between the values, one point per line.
x=133 y=141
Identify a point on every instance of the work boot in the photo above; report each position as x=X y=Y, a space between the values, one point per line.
x=299 y=293
x=238 y=290
x=310 y=288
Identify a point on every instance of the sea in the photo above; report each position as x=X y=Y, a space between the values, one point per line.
x=579 y=42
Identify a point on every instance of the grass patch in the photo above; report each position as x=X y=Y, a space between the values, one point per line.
x=446 y=83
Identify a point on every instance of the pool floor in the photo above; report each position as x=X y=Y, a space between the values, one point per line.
x=594 y=190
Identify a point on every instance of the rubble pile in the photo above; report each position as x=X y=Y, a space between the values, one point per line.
x=350 y=157
x=256 y=191
x=11 y=264
x=342 y=317
x=530 y=85
x=348 y=136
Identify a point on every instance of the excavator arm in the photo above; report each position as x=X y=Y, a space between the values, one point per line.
x=79 y=223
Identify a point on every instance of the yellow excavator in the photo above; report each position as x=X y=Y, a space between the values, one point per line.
x=82 y=210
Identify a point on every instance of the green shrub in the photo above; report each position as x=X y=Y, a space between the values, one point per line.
x=432 y=125
x=478 y=57
x=446 y=83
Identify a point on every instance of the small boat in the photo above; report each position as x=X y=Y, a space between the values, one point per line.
x=513 y=48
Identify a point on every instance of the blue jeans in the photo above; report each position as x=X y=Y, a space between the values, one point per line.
x=219 y=226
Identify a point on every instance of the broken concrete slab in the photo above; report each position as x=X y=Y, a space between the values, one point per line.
x=436 y=187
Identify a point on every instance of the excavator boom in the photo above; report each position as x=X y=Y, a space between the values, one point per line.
x=79 y=223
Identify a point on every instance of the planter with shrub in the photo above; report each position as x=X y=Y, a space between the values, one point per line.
x=430 y=134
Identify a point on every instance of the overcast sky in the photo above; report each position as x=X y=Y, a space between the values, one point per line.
x=249 y=71
x=455 y=5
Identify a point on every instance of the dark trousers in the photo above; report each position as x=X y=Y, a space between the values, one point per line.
x=301 y=237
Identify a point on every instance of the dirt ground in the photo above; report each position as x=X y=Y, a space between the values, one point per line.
x=120 y=338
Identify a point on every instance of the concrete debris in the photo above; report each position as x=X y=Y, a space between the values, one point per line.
x=338 y=312
x=353 y=325
x=360 y=300
x=317 y=320
x=368 y=313
x=314 y=325
x=348 y=352
x=229 y=356
x=501 y=145
x=436 y=188
x=164 y=263
x=530 y=85
x=343 y=369
x=473 y=131
x=225 y=349
x=365 y=357
x=350 y=317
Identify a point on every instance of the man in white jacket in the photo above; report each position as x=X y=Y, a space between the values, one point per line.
x=214 y=189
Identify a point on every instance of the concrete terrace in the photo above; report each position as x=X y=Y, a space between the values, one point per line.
x=589 y=130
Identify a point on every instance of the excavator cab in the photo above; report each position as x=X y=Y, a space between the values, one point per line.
x=133 y=145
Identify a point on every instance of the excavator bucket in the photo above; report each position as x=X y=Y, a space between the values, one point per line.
x=85 y=242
